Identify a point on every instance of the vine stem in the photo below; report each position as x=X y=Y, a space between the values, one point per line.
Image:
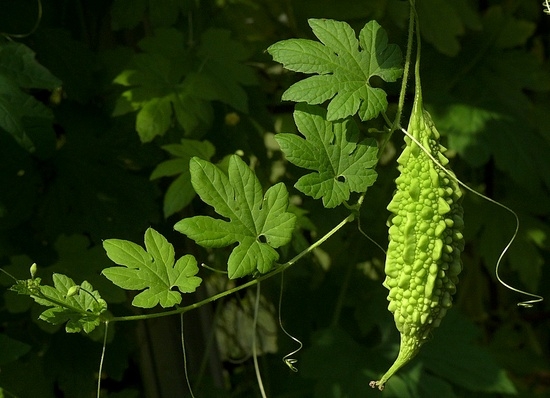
x=102 y=359
x=255 y=343
x=248 y=284
x=396 y=125
x=184 y=352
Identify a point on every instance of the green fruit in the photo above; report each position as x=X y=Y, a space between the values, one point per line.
x=425 y=239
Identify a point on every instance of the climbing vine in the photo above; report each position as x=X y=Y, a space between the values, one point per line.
x=240 y=151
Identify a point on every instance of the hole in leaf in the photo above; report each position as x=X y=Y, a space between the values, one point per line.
x=262 y=239
x=375 y=81
x=341 y=179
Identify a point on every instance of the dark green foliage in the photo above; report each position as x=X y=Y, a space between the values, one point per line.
x=107 y=97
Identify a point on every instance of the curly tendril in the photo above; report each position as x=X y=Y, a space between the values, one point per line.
x=535 y=298
x=287 y=359
x=33 y=29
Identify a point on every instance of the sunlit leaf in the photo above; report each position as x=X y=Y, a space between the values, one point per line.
x=343 y=66
x=258 y=223
x=79 y=306
x=342 y=164
x=153 y=269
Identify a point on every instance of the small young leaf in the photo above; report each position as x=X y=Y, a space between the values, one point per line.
x=152 y=269
x=259 y=224
x=80 y=307
x=344 y=66
x=342 y=164
x=181 y=192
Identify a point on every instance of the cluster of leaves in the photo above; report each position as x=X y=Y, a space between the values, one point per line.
x=167 y=80
x=79 y=306
x=167 y=89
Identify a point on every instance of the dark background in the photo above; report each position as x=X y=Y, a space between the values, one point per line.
x=78 y=172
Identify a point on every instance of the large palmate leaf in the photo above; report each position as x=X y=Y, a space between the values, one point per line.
x=258 y=223
x=344 y=67
x=152 y=269
x=341 y=163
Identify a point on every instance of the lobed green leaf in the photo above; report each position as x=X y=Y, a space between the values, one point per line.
x=258 y=223
x=344 y=67
x=341 y=162
x=152 y=269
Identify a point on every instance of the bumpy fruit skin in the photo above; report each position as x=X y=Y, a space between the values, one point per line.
x=425 y=240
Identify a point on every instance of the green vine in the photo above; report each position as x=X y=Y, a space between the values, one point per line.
x=183 y=81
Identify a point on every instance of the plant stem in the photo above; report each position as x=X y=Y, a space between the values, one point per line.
x=254 y=343
x=253 y=282
x=396 y=125
x=102 y=359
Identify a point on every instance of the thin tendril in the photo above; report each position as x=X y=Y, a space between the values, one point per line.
x=254 y=350
x=546 y=5
x=102 y=359
x=30 y=32
x=8 y=274
x=368 y=237
x=185 y=371
x=287 y=358
x=219 y=271
x=536 y=297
